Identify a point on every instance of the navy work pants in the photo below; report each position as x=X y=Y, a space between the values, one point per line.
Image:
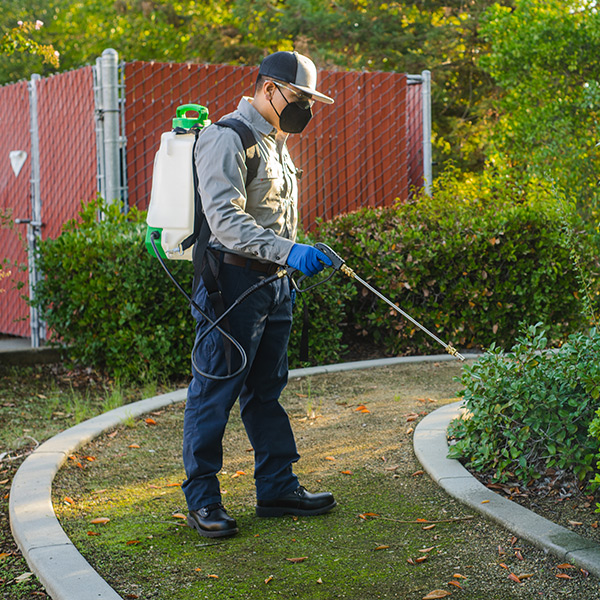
x=261 y=323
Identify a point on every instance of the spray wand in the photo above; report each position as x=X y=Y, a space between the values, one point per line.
x=338 y=264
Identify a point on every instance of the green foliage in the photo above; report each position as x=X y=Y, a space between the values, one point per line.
x=472 y=263
x=109 y=301
x=545 y=56
x=529 y=410
x=112 y=304
x=18 y=39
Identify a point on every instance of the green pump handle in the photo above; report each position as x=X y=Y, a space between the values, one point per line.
x=185 y=122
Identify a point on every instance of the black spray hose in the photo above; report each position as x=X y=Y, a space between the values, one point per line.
x=215 y=324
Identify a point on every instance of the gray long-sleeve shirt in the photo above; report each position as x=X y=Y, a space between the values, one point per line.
x=261 y=221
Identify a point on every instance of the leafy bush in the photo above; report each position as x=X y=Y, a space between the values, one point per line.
x=474 y=263
x=112 y=304
x=105 y=298
x=530 y=409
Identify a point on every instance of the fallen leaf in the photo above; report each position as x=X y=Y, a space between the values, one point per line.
x=269 y=579
x=4 y=481
x=427 y=549
x=173 y=485
x=100 y=521
x=525 y=576
x=132 y=542
x=179 y=516
x=428 y=527
x=455 y=584
x=518 y=554
x=420 y=520
x=329 y=458
x=435 y=594
x=459 y=576
x=131 y=596
x=421 y=559
x=391 y=468
x=24 y=577
x=594 y=524
x=113 y=434
x=346 y=472
x=197 y=569
x=585 y=573
x=503 y=566
x=382 y=547
x=297 y=560
x=93 y=533
x=575 y=523
x=133 y=446
x=4 y=555
x=150 y=421
x=69 y=500
x=319 y=581
x=90 y=458
x=417 y=473
x=409 y=431
x=563 y=576
x=514 y=578
x=213 y=576
x=565 y=566
x=410 y=561
x=484 y=501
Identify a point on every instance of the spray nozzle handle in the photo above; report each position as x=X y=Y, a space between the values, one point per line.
x=336 y=260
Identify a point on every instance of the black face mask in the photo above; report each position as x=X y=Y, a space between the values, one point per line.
x=295 y=116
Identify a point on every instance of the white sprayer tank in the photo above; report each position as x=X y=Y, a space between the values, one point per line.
x=171 y=209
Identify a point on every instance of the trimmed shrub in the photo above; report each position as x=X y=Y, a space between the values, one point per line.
x=112 y=304
x=530 y=409
x=473 y=270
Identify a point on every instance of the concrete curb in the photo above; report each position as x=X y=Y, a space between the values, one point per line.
x=431 y=448
x=62 y=570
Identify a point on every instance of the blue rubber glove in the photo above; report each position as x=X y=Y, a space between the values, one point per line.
x=307 y=259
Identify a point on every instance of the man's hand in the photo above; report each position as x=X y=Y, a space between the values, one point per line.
x=307 y=259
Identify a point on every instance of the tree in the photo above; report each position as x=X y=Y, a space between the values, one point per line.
x=545 y=56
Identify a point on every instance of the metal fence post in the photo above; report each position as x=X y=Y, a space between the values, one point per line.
x=34 y=225
x=427 y=164
x=109 y=93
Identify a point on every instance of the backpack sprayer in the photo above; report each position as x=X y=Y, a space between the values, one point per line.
x=175 y=221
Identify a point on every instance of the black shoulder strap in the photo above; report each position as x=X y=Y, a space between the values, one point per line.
x=201 y=234
x=249 y=144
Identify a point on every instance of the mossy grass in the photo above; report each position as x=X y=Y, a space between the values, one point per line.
x=394 y=533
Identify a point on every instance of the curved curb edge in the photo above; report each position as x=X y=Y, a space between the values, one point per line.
x=431 y=448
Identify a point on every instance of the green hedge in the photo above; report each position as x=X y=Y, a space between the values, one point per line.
x=474 y=264
x=530 y=409
x=475 y=271
x=111 y=303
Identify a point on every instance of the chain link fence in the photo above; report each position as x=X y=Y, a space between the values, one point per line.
x=97 y=129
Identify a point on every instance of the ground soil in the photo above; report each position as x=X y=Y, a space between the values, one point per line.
x=394 y=534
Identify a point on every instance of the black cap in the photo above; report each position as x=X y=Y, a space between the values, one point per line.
x=296 y=70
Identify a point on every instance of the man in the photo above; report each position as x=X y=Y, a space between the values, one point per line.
x=253 y=226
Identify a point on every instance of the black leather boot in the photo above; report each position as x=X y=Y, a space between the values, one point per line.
x=212 y=521
x=299 y=502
